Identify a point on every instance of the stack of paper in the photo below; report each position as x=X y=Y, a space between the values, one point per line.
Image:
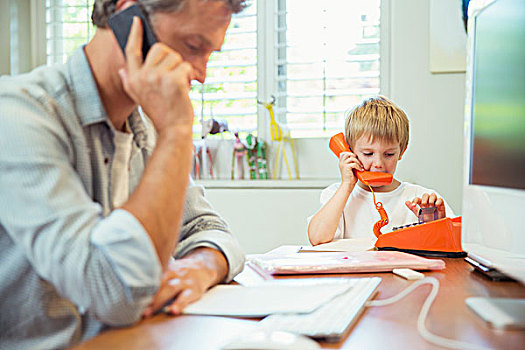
x=277 y=296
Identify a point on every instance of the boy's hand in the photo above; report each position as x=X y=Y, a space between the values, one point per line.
x=347 y=162
x=427 y=201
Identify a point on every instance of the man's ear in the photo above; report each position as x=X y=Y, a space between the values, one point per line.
x=124 y=4
x=403 y=152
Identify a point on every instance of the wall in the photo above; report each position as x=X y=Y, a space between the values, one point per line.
x=434 y=104
x=22 y=35
x=5 y=62
x=265 y=218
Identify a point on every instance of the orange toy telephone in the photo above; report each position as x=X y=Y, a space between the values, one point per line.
x=438 y=238
x=428 y=237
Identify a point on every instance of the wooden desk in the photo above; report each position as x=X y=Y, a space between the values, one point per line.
x=387 y=327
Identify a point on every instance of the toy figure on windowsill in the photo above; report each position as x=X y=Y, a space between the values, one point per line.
x=250 y=148
x=196 y=164
x=211 y=126
x=261 y=160
x=239 y=152
x=256 y=158
x=281 y=134
x=202 y=151
x=214 y=126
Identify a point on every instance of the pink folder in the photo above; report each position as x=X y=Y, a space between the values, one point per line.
x=342 y=262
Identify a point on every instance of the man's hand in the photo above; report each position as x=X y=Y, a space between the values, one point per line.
x=427 y=201
x=187 y=279
x=160 y=84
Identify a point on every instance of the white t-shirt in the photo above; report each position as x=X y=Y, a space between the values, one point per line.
x=360 y=214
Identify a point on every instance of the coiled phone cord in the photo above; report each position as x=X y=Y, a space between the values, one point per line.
x=382 y=213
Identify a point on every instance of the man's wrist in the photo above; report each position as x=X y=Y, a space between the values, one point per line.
x=212 y=261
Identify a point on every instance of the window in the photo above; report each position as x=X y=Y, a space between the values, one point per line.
x=230 y=90
x=317 y=61
x=321 y=60
x=327 y=62
x=68 y=25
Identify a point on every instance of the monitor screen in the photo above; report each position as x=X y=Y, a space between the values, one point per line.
x=494 y=163
x=498 y=110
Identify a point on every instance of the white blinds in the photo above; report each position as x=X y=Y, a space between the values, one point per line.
x=230 y=90
x=327 y=61
x=68 y=25
x=326 y=56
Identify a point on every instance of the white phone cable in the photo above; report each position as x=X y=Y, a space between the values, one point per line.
x=423 y=331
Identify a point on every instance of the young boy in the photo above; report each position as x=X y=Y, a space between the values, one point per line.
x=377 y=133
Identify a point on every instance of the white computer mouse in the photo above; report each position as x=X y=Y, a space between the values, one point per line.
x=271 y=340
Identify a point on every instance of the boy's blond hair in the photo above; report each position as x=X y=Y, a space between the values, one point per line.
x=378 y=118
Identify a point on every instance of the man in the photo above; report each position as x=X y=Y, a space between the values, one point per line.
x=91 y=210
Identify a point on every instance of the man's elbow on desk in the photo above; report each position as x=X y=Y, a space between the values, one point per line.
x=121 y=297
x=123 y=272
x=124 y=313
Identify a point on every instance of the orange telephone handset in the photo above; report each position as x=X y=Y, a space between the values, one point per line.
x=369 y=178
x=373 y=178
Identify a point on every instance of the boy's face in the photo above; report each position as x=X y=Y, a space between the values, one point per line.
x=377 y=155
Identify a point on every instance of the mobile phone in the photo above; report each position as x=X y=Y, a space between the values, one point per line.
x=121 y=22
x=373 y=178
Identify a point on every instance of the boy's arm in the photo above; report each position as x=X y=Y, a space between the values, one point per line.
x=323 y=224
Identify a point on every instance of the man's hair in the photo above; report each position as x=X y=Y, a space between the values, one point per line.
x=103 y=9
x=378 y=118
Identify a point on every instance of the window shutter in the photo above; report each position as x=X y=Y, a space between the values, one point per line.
x=230 y=90
x=68 y=25
x=326 y=59
x=327 y=62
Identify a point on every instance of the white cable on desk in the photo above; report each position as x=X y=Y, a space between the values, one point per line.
x=423 y=331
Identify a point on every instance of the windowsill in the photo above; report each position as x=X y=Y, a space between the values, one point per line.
x=198 y=141
x=266 y=184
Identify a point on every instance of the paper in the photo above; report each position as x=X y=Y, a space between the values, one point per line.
x=252 y=275
x=343 y=262
x=262 y=300
x=343 y=245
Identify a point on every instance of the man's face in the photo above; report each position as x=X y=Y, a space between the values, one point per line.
x=194 y=32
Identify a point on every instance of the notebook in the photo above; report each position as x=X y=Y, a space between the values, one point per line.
x=342 y=262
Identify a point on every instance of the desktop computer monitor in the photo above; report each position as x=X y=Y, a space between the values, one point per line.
x=493 y=225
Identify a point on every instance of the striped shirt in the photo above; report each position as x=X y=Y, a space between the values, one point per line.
x=71 y=265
